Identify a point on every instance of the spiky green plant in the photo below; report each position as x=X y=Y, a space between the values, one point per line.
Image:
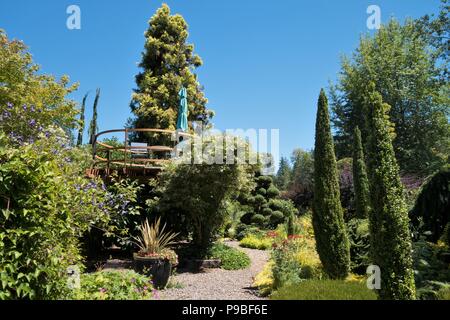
x=154 y=239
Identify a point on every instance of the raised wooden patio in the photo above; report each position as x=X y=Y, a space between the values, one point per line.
x=135 y=160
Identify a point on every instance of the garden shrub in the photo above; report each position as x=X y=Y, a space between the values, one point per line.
x=258 y=219
x=432 y=207
x=47 y=206
x=444 y=293
x=325 y=290
x=266 y=212
x=359 y=237
x=276 y=218
x=256 y=242
x=264 y=280
x=295 y=259
x=242 y=230
x=273 y=192
x=311 y=267
x=262 y=191
x=114 y=285
x=265 y=200
x=196 y=193
x=430 y=272
x=232 y=258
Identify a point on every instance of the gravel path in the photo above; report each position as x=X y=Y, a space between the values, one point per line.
x=218 y=284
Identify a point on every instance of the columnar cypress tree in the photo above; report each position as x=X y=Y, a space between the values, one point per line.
x=81 y=129
x=389 y=230
x=328 y=222
x=93 y=128
x=360 y=180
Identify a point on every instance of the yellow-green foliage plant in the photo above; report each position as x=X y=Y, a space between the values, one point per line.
x=254 y=242
x=264 y=280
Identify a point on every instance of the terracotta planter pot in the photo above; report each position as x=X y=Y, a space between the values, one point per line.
x=158 y=269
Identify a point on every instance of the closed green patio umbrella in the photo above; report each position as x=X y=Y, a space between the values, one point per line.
x=182 y=123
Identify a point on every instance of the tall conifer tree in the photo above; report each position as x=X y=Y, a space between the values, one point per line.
x=167 y=65
x=93 y=127
x=82 y=124
x=389 y=222
x=328 y=222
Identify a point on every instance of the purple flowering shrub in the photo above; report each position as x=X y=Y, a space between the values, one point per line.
x=25 y=124
x=46 y=205
x=124 y=210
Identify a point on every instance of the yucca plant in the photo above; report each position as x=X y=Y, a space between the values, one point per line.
x=153 y=239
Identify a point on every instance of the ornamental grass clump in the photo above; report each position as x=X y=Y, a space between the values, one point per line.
x=154 y=241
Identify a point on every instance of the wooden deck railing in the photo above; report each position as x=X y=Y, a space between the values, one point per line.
x=136 y=157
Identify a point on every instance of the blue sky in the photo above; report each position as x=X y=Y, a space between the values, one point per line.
x=264 y=60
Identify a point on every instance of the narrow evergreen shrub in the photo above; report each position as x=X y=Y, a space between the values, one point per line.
x=331 y=238
x=360 y=180
x=389 y=229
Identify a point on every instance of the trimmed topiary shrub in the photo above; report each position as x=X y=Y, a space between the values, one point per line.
x=258 y=219
x=276 y=218
x=265 y=200
x=432 y=206
x=264 y=181
x=273 y=192
x=262 y=191
x=267 y=212
x=247 y=218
